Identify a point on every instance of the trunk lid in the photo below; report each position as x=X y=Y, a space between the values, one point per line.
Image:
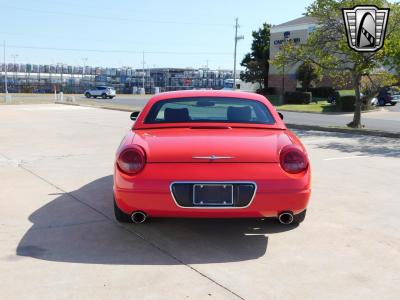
x=211 y=145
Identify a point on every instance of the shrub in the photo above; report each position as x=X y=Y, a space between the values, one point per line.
x=298 y=97
x=322 y=92
x=267 y=91
x=346 y=103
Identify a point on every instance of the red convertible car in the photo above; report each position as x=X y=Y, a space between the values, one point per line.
x=210 y=154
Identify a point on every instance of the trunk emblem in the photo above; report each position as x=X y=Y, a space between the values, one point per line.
x=212 y=157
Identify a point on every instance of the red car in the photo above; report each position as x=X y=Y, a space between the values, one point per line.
x=210 y=154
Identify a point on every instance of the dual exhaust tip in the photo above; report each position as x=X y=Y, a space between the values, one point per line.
x=138 y=217
x=286 y=217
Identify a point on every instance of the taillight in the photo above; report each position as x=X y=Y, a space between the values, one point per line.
x=293 y=160
x=132 y=160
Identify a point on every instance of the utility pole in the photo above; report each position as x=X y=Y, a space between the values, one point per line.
x=14 y=56
x=143 y=79
x=237 y=38
x=285 y=38
x=84 y=59
x=5 y=70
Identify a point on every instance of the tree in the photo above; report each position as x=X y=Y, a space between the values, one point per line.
x=257 y=61
x=307 y=75
x=327 y=46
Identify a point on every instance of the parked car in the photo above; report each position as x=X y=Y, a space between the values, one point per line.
x=388 y=95
x=210 y=154
x=101 y=91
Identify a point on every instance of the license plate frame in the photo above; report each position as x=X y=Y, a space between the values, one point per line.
x=202 y=191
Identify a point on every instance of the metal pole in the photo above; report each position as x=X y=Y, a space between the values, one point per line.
x=283 y=71
x=237 y=38
x=5 y=70
x=143 y=79
x=14 y=56
x=234 y=55
x=83 y=70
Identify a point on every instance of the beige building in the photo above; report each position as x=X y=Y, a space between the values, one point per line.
x=296 y=31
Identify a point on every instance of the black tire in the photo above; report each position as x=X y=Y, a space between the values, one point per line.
x=120 y=216
x=393 y=103
x=104 y=96
x=87 y=95
x=297 y=219
x=111 y=97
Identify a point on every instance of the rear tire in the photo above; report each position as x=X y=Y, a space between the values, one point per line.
x=120 y=216
x=87 y=95
x=393 y=103
x=104 y=96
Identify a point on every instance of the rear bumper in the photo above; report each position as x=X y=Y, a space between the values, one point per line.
x=150 y=190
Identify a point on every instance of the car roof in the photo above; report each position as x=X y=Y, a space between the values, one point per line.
x=206 y=93
x=139 y=124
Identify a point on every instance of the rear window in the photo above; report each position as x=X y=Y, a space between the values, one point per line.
x=209 y=109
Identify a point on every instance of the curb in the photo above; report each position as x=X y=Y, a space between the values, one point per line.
x=91 y=106
x=368 y=132
x=328 y=113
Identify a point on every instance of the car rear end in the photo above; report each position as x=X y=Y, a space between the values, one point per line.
x=111 y=93
x=212 y=171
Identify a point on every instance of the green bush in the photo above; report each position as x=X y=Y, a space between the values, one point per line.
x=346 y=103
x=322 y=92
x=297 y=98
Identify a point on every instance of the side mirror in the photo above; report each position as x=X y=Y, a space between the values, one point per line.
x=280 y=115
x=134 y=115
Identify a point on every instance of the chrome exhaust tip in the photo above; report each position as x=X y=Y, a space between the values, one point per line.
x=286 y=217
x=138 y=217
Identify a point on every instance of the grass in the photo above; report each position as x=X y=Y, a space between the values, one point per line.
x=343 y=93
x=319 y=107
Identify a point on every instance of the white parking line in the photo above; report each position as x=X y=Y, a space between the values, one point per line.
x=346 y=157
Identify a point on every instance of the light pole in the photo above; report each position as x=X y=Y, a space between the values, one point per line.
x=143 y=78
x=84 y=59
x=14 y=56
x=5 y=71
x=286 y=35
x=237 y=38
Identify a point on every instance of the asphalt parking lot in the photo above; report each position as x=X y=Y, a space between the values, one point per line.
x=59 y=238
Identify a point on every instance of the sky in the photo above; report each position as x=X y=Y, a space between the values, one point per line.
x=173 y=33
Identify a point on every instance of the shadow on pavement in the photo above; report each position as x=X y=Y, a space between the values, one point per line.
x=81 y=229
x=352 y=143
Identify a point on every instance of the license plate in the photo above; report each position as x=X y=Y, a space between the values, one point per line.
x=213 y=194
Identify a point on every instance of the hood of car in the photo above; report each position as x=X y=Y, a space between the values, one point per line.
x=211 y=145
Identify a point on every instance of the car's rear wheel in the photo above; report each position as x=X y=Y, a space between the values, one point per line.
x=120 y=216
x=104 y=96
x=88 y=95
x=111 y=97
x=393 y=103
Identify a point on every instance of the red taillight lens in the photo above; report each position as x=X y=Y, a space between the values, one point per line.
x=132 y=160
x=293 y=160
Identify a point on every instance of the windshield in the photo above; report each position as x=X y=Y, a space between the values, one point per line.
x=209 y=109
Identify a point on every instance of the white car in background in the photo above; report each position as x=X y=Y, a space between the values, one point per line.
x=101 y=91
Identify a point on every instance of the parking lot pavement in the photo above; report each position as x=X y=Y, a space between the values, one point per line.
x=59 y=239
